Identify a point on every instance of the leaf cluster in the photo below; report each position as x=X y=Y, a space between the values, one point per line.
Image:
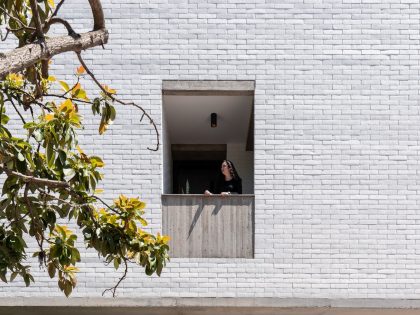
x=49 y=177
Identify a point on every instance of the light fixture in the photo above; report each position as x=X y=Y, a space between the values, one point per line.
x=213 y=120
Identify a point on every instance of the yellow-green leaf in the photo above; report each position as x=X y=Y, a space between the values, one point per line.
x=96 y=161
x=109 y=90
x=64 y=85
x=67 y=106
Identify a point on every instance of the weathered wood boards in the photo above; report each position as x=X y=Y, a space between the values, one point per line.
x=209 y=226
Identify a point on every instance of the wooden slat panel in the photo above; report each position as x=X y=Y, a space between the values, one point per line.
x=209 y=226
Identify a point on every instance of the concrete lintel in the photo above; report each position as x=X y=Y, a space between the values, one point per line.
x=137 y=302
x=207 y=85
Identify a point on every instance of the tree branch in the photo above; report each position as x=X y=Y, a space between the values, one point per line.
x=15 y=30
x=21 y=58
x=33 y=99
x=4 y=10
x=66 y=24
x=57 y=8
x=24 y=57
x=114 y=288
x=40 y=34
x=105 y=204
x=37 y=20
x=17 y=111
x=68 y=98
x=112 y=97
x=31 y=179
x=3 y=38
x=98 y=15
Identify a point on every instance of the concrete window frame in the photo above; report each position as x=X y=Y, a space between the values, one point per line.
x=202 y=226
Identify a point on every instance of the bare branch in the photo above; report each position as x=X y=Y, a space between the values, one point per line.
x=57 y=8
x=112 y=97
x=17 y=111
x=115 y=287
x=3 y=38
x=98 y=15
x=66 y=24
x=150 y=120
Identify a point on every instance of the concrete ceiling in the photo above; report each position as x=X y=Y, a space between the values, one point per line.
x=188 y=118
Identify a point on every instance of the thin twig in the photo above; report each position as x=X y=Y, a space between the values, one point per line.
x=52 y=20
x=21 y=28
x=148 y=116
x=115 y=287
x=105 y=204
x=68 y=98
x=15 y=30
x=73 y=87
x=33 y=99
x=113 y=98
x=3 y=9
x=66 y=24
x=3 y=38
x=57 y=8
x=17 y=111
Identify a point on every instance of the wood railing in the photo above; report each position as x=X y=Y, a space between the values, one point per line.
x=209 y=226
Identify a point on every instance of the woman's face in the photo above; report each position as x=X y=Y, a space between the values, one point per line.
x=225 y=169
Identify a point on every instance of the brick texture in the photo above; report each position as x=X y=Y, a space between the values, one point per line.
x=337 y=140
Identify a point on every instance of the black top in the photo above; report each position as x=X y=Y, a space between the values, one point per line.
x=233 y=186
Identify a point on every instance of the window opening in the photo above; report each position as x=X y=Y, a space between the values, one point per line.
x=204 y=123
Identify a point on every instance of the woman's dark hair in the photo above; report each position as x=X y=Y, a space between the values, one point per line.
x=232 y=170
x=221 y=182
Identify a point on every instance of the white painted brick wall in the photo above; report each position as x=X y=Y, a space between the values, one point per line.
x=337 y=140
